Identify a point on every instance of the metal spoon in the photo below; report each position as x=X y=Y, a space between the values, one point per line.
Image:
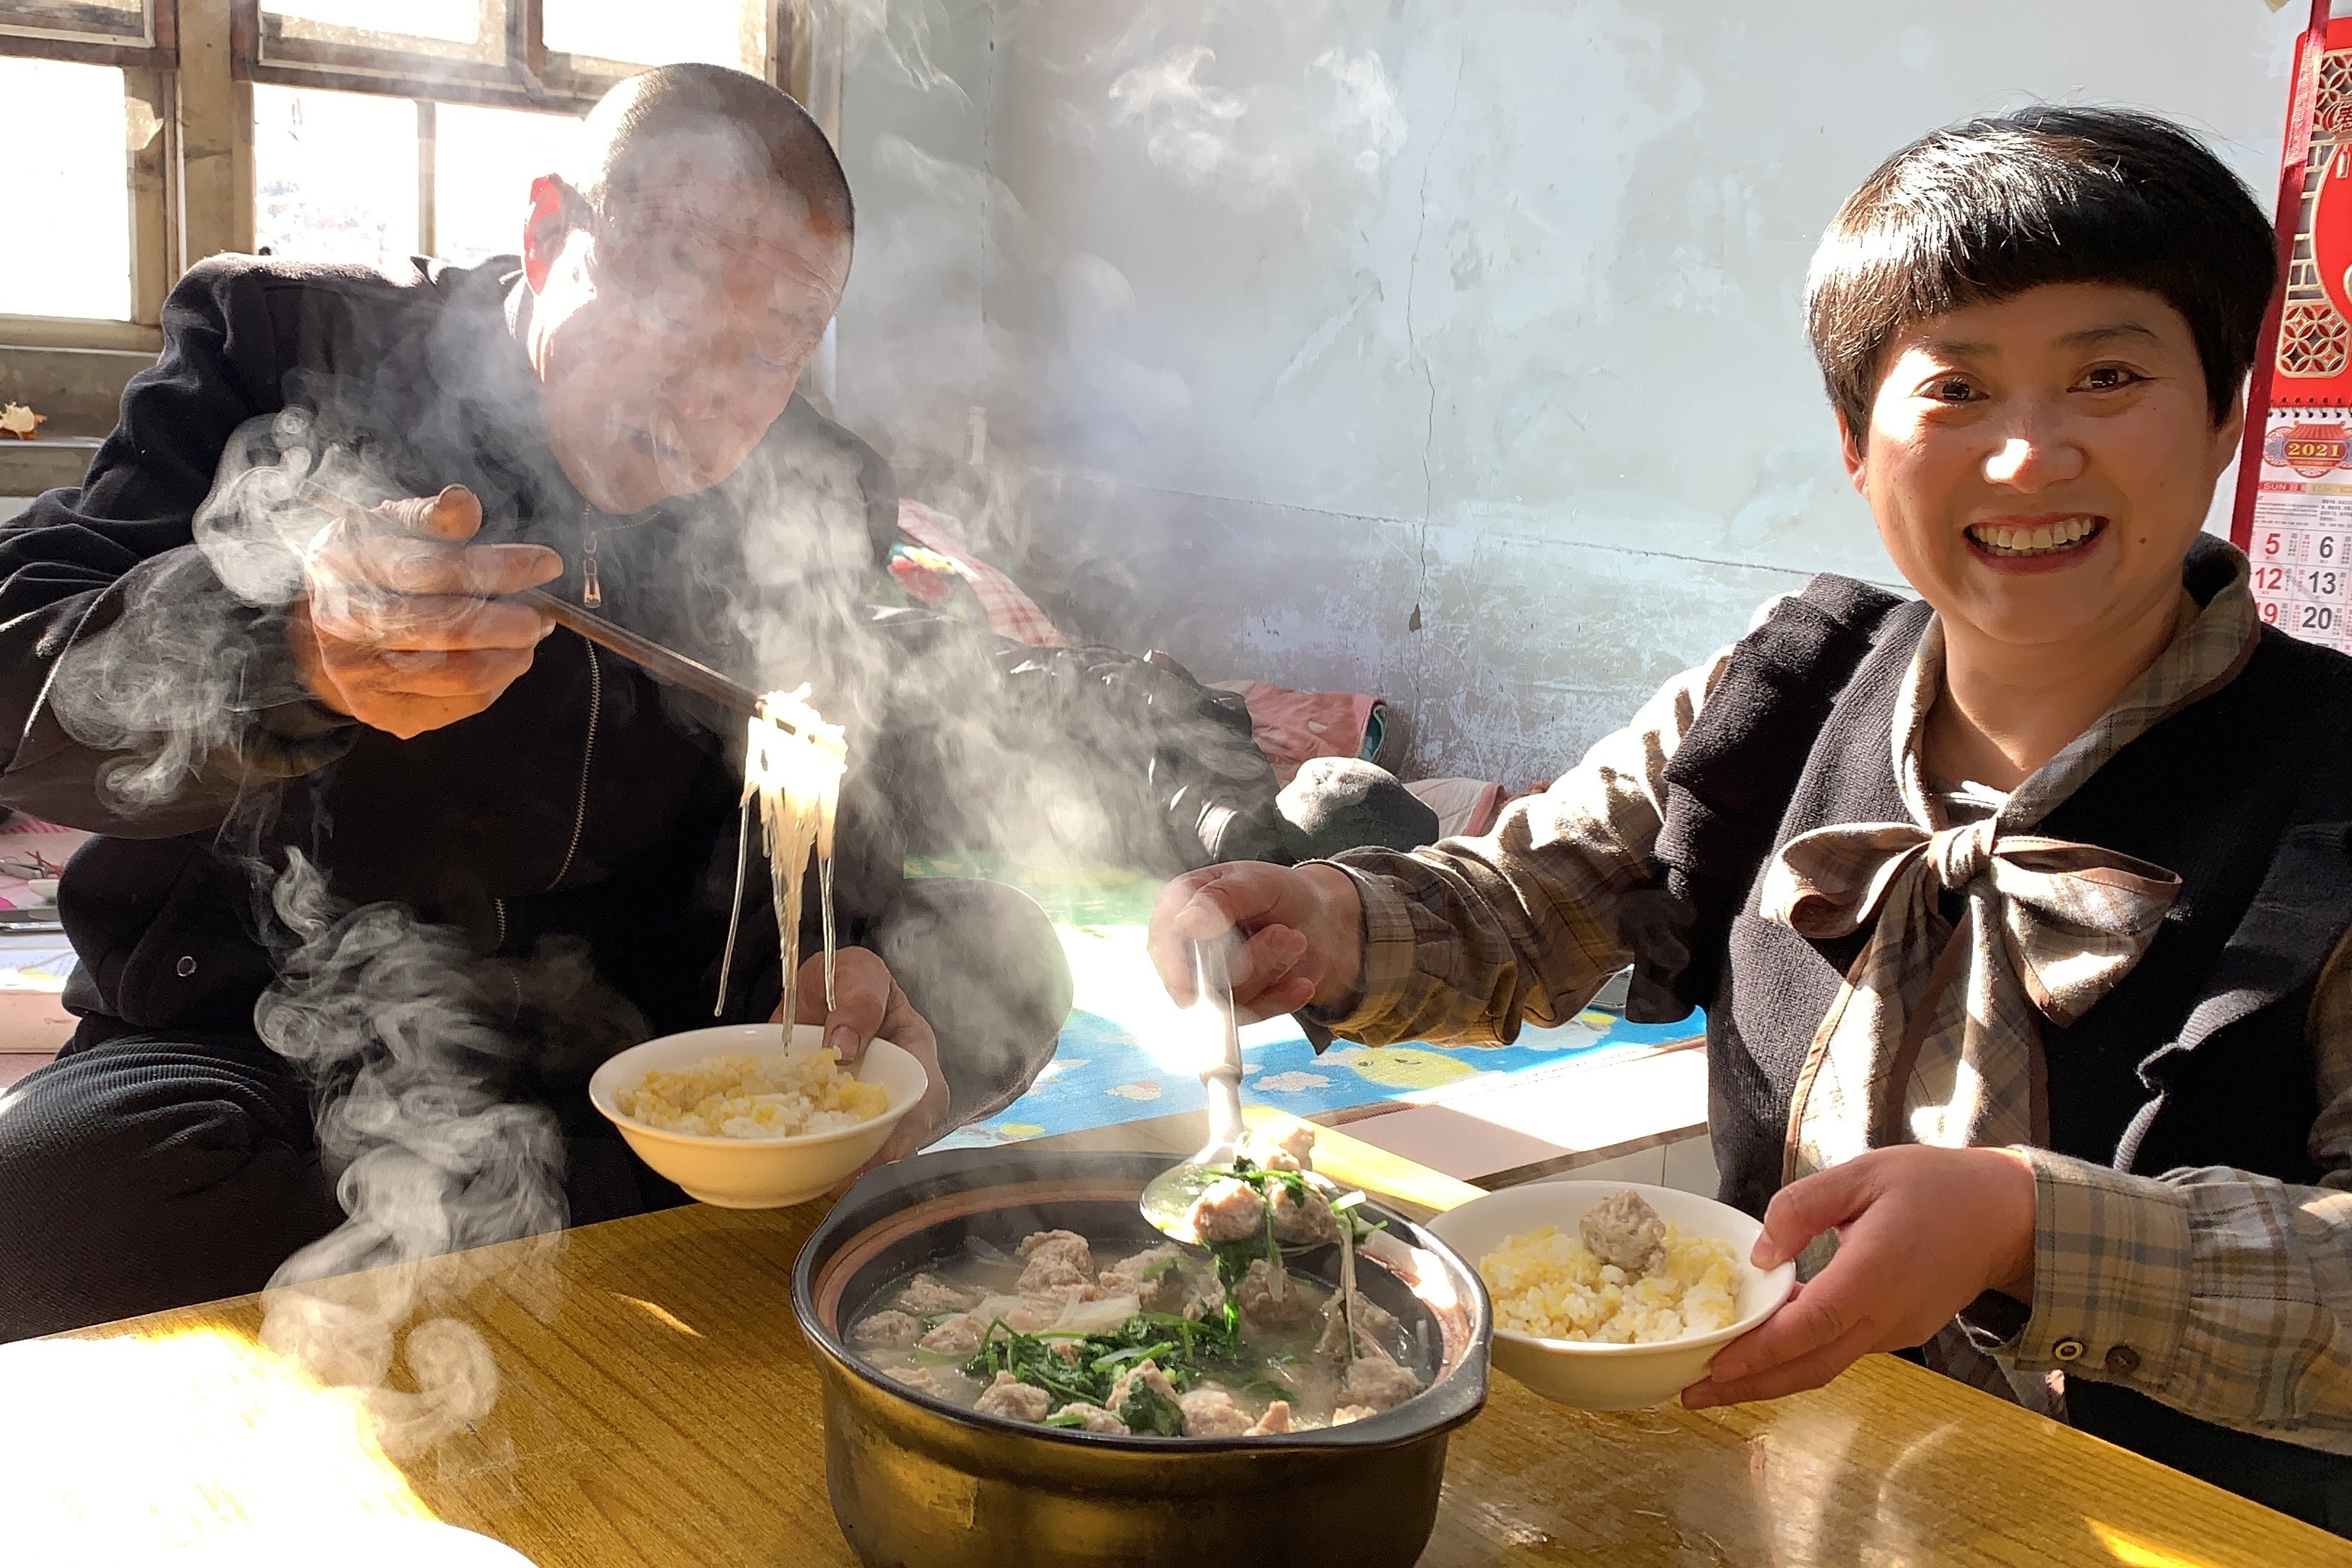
x=1167 y=1201
x=1343 y=1212
x=1168 y=1198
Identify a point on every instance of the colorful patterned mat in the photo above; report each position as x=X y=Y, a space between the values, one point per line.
x=1128 y=1054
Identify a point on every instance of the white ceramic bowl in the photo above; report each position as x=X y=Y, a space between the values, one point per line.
x=755 y=1173
x=1611 y=1377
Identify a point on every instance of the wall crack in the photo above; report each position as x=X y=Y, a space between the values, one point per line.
x=1418 y=652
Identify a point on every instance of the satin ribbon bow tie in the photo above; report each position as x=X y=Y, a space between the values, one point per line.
x=1932 y=1037
x=2075 y=917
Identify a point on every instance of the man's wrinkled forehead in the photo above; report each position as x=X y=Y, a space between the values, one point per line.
x=697 y=236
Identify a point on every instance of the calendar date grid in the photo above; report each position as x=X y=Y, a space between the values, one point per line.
x=2302 y=580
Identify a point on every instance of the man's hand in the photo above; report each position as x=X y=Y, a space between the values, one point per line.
x=1921 y=1233
x=869 y=1005
x=1304 y=927
x=398 y=624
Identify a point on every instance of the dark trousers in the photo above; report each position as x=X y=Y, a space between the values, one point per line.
x=155 y=1171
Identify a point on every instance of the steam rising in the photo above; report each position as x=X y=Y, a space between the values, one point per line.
x=169 y=685
x=429 y=1156
x=163 y=689
x=896 y=38
x=963 y=298
x=411 y=1041
x=1195 y=131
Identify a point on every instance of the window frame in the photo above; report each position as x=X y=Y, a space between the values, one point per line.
x=527 y=75
x=150 y=185
x=190 y=183
x=26 y=33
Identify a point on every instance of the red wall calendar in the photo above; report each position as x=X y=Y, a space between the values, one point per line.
x=2293 y=511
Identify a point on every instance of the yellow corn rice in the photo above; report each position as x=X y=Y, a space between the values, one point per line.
x=1549 y=1284
x=753 y=1096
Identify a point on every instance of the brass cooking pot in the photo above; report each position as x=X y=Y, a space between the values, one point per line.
x=919 y=1482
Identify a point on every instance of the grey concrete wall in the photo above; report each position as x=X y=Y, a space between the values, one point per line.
x=912 y=354
x=1445 y=350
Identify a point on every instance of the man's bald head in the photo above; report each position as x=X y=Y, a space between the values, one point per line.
x=681 y=272
x=718 y=122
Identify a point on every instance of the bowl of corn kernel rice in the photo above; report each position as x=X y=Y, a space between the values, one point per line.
x=749 y=1117
x=1610 y=1296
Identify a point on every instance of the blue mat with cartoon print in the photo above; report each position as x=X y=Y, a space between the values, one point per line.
x=1126 y=1053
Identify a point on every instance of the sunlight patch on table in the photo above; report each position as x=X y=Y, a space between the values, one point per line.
x=130 y=1447
x=2136 y=1551
x=660 y=1314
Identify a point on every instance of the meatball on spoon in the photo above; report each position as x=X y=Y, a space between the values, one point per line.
x=1168 y=1202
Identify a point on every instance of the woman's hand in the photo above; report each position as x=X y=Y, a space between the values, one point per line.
x=869 y=1005
x=1305 y=928
x=1921 y=1233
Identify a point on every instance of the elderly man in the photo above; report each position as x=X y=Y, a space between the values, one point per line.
x=387 y=864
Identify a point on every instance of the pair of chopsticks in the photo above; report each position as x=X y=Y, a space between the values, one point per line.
x=661 y=663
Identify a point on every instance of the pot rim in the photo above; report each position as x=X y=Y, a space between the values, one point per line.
x=1453 y=1398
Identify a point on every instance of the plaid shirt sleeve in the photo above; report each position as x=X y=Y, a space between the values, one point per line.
x=1465 y=939
x=2223 y=1294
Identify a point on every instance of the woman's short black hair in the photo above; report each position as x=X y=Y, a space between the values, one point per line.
x=1987 y=209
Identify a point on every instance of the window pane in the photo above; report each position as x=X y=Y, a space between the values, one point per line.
x=334 y=175
x=109 y=19
x=68 y=198
x=457 y=21
x=484 y=161
x=639 y=34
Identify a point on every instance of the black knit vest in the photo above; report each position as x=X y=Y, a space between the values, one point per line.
x=2198 y=1058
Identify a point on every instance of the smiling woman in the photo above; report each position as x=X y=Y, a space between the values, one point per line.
x=2020 y=911
x=2038 y=466
x=2036 y=391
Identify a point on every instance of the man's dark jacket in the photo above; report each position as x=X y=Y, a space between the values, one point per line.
x=146 y=693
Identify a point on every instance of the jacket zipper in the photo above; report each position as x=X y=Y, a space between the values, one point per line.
x=587 y=756
x=514 y=980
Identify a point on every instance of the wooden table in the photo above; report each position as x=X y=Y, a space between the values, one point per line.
x=655 y=1404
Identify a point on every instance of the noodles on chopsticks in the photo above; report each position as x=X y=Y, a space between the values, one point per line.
x=792 y=766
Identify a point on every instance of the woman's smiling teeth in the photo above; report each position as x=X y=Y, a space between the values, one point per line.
x=2043 y=539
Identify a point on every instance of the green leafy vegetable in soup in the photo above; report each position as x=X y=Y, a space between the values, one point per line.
x=1170 y=1342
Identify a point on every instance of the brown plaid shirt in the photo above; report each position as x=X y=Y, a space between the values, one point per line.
x=2224 y=1294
